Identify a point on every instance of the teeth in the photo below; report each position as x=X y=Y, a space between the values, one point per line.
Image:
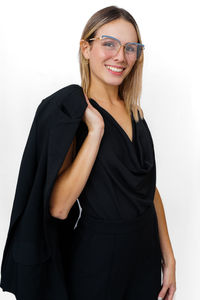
x=114 y=69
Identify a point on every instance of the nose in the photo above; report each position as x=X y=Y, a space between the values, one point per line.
x=120 y=55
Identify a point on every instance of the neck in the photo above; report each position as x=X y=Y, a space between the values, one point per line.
x=105 y=93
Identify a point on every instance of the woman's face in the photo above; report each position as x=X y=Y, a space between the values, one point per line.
x=98 y=59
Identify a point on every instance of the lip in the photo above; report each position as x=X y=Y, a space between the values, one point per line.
x=119 y=67
x=115 y=72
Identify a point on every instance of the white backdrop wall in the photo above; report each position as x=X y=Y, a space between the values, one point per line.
x=39 y=55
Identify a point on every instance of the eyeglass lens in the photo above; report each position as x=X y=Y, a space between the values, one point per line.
x=110 y=45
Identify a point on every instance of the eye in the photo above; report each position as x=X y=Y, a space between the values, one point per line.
x=131 y=48
x=109 y=44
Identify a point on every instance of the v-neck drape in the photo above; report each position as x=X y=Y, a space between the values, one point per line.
x=122 y=181
x=114 y=120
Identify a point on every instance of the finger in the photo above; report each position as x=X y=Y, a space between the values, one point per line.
x=86 y=98
x=171 y=292
x=163 y=292
x=89 y=104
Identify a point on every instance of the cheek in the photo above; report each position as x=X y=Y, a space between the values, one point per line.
x=131 y=65
x=98 y=57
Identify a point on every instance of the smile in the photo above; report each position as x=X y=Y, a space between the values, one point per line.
x=115 y=69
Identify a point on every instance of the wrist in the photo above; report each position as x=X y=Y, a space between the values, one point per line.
x=98 y=132
x=169 y=260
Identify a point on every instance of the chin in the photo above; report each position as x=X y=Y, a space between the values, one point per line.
x=113 y=82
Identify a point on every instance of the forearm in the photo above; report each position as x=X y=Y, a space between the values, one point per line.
x=71 y=182
x=166 y=247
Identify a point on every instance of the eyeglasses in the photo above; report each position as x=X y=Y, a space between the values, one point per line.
x=112 y=45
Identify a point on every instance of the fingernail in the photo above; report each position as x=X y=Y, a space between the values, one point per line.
x=159 y=298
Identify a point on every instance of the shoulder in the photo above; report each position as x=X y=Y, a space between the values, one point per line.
x=65 y=106
x=140 y=112
x=142 y=119
x=69 y=100
x=66 y=93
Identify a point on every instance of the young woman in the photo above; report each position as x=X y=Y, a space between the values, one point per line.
x=121 y=242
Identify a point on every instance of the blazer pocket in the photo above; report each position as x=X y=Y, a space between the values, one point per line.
x=30 y=253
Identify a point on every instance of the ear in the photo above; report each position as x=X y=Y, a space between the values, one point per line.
x=85 y=48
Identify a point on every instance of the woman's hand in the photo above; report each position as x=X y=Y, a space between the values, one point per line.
x=93 y=118
x=169 y=281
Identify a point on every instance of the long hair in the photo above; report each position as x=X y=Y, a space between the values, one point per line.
x=131 y=87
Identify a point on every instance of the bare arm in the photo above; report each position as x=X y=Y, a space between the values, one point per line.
x=72 y=180
x=74 y=173
x=169 y=263
x=165 y=243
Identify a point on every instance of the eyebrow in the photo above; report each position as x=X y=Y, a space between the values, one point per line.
x=117 y=39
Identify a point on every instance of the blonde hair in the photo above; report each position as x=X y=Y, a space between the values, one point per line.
x=131 y=87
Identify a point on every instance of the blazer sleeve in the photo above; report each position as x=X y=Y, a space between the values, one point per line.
x=34 y=243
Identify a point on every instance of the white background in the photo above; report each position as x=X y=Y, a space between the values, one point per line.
x=39 y=55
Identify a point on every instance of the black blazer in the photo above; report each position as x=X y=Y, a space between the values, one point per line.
x=36 y=250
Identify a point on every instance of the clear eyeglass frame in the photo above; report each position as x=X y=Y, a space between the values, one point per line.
x=140 y=46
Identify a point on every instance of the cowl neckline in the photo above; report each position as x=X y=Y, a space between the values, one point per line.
x=140 y=151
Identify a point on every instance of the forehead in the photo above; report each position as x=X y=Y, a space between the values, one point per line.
x=120 y=29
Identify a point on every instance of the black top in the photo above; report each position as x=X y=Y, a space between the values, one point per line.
x=122 y=181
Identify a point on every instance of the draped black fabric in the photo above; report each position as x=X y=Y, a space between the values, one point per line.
x=121 y=186
x=122 y=182
x=36 y=249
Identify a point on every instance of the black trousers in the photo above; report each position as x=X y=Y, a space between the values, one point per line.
x=115 y=260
